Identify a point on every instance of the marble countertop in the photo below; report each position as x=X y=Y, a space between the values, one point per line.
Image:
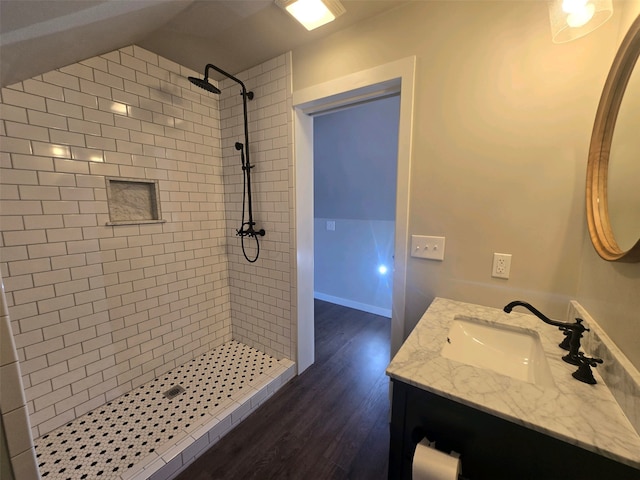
x=580 y=414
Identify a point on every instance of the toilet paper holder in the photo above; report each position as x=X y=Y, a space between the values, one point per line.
x=418 y=435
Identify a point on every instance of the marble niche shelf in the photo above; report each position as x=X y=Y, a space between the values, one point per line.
x=133 y=201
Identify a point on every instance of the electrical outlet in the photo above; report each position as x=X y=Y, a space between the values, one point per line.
x=501 y=265
x=331 y=225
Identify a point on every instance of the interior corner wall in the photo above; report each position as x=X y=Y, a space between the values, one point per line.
x=97 y=310
x=262 y=293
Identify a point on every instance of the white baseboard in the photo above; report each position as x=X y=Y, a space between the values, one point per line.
x=383 y=312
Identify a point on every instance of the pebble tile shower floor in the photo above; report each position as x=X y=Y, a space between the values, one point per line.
x=148 y=433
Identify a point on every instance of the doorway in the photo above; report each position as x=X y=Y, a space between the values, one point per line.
x=391 y=78
x=354 y=161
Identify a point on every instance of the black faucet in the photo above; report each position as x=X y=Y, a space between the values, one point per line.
x=573 y=331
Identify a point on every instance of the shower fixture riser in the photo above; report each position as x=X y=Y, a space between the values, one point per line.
x=145 y=435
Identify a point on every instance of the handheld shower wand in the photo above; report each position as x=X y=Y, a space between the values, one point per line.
x=247 y=228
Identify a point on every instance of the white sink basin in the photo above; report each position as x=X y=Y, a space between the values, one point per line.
x=508 y=350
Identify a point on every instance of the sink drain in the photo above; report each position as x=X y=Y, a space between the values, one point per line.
x=173 y=392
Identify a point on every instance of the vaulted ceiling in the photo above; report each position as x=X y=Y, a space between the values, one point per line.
x=40 y=35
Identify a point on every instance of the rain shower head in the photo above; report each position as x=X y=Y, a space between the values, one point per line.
x=204 y=83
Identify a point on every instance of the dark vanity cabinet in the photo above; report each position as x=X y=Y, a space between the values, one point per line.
x=491 y=448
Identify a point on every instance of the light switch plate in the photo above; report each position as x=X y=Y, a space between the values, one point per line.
x=331 y=225
x=423 y=246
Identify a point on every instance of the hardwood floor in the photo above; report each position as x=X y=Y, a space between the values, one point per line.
x=331 y=422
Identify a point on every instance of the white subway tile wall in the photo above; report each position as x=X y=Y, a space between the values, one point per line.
x=98 y=310
x=13 y=402
x=261 y=292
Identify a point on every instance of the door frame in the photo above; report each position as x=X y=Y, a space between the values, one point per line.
x=394 y=77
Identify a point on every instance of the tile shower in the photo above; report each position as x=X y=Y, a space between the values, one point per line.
x=98 y=311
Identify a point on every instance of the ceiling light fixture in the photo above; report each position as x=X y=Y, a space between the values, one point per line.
x=312 y=13
x=571 y=19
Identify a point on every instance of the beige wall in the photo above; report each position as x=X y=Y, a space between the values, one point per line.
x=502 y=124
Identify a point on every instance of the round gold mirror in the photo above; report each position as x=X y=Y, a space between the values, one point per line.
x=613 y=170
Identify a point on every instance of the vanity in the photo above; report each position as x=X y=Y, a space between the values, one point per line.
x=540 y=423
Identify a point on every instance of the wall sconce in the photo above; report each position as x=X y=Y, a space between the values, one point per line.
x=312 y=13
x=571 y=19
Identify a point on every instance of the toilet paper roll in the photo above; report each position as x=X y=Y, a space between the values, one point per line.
x=431 y=464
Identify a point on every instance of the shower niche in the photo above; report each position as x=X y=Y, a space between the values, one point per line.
x=133 y=201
